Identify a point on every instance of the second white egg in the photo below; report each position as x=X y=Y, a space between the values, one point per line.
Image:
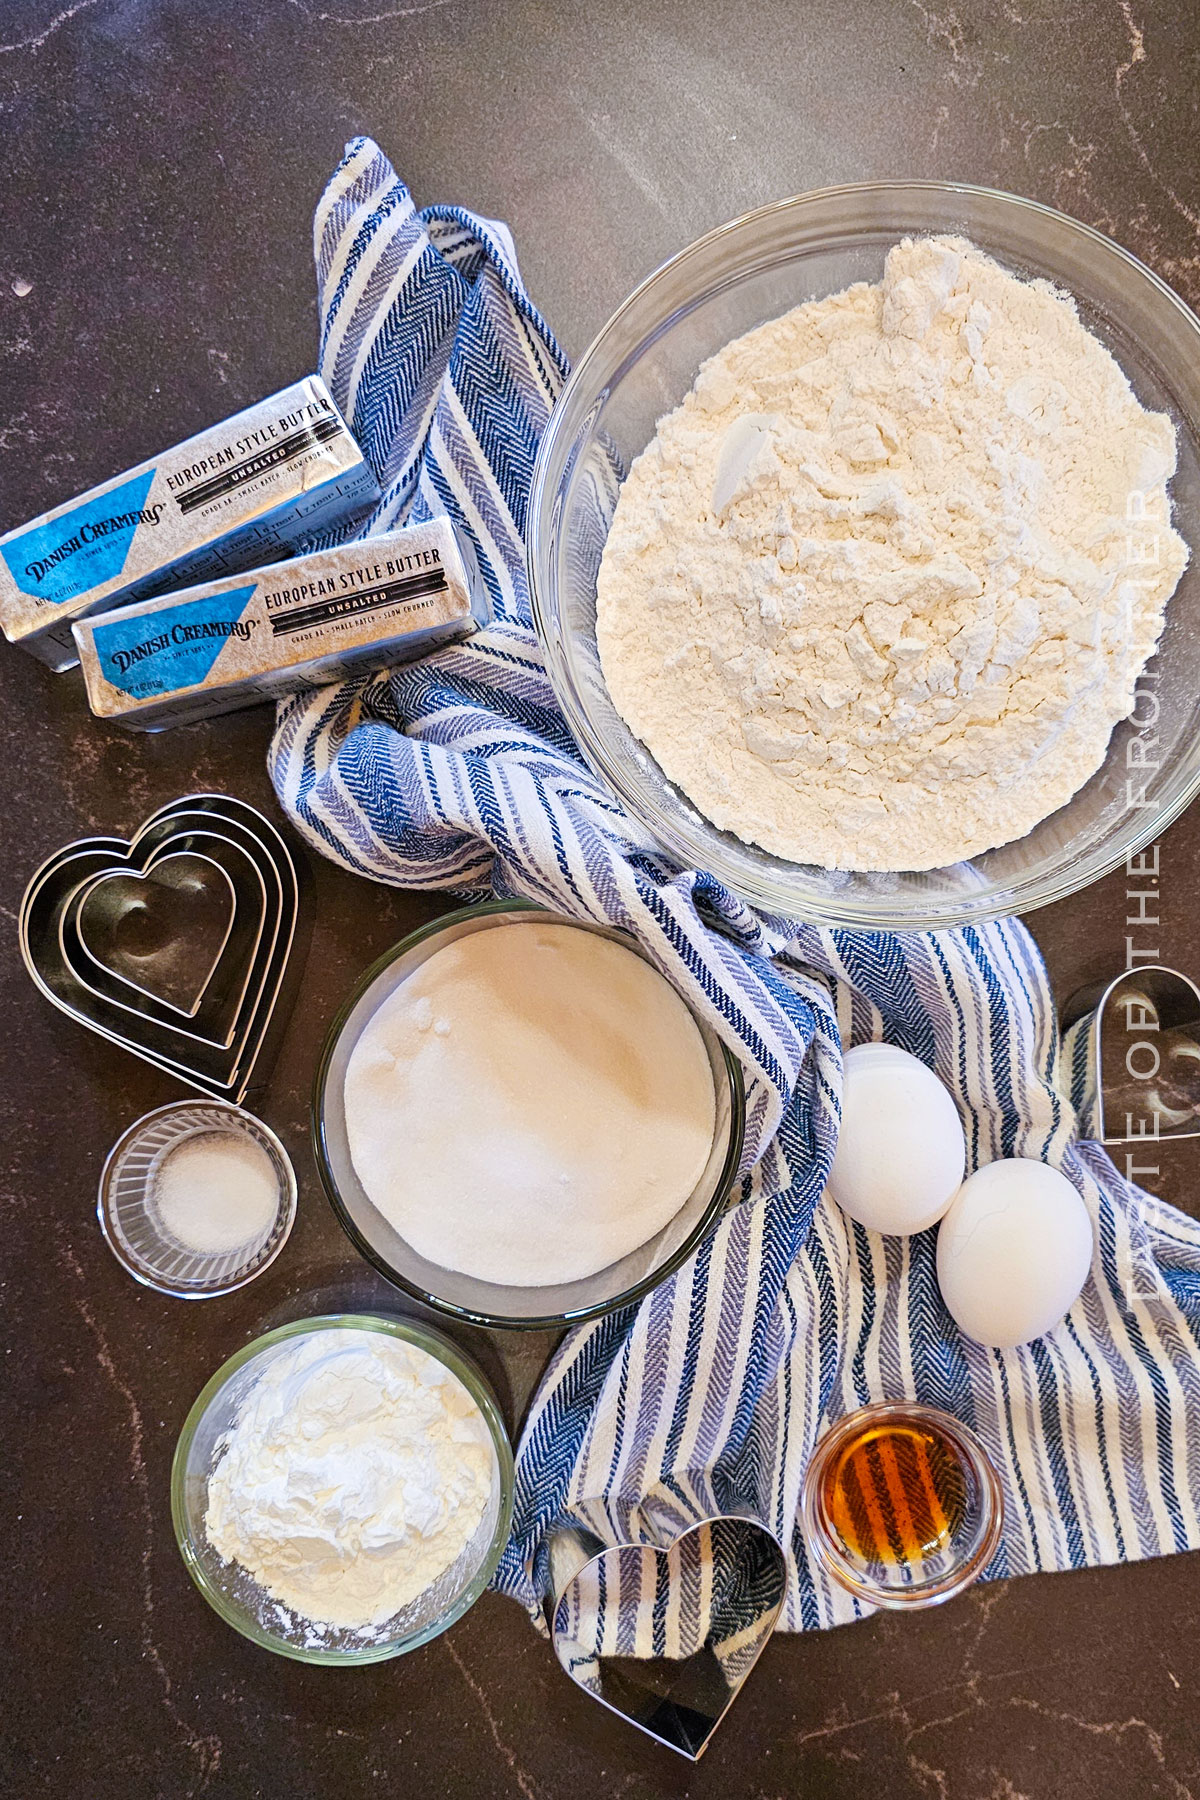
x=900 y=1152
x=1013 y=1252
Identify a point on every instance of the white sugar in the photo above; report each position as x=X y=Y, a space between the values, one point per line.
x=217 y=1192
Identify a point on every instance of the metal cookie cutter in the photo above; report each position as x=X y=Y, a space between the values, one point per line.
x=665 y=1635
x=58 y=902
x=172 y=943
x=1134 y=1049
x=178 y=945
x=199 y=976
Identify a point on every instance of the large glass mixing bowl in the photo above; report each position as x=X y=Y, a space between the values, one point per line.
x=641 y=366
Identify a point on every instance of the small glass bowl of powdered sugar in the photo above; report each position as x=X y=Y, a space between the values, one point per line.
x=342 y=1489
x=197 y=1198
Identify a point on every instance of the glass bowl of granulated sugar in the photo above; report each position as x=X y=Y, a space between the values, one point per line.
x=858 y=549
x=521 y=1122
x=342 y=1489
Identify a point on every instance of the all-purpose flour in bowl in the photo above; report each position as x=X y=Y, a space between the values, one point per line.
x=880 y=589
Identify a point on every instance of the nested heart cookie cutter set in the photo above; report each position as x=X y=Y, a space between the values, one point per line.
x=175 y=945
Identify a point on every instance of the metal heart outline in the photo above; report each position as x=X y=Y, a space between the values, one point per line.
x=94 y=915
x=682 y=1709
x=225 y=1077
x=216 y=1021
x=1176 y=998
x=264 y=1009
x=51 y=895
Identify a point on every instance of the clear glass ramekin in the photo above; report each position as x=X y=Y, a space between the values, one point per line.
x=641 y=366
x=904 y=1577
x=233 y=1593
x=501 y=1306
x=130 y=1220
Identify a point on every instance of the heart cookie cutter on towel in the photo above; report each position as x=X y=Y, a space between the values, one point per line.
x=222 y=998
x=665 y=1634
x=1142 y=1042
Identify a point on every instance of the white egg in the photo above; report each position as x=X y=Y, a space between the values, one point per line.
x=900 y=1151
x=1013 y=1252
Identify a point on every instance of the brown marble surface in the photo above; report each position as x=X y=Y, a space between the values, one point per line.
x=161 y=160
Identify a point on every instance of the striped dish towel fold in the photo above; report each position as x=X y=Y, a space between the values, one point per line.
x=459 y=773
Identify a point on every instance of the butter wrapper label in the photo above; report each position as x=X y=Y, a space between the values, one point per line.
x=250 y=489
x=296 y=624
x=83 y=548
x=181 y=649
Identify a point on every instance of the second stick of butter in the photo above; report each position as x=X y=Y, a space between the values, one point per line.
x=315 y=619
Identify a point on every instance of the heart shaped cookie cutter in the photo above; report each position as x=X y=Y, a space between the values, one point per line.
x=58 y=890
x=213 y=1065
x=54 y=950
x=665 y=1634
x=125 y=940
x=1138 y=1038
x=72 y=914
x=213 y=1016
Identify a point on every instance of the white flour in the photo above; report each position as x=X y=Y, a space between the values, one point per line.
x=357 y=1472
x=881 y=587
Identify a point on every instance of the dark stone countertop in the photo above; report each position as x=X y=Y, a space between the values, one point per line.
x=161 y=161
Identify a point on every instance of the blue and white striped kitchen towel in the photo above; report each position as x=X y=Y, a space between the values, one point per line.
x=459 y=773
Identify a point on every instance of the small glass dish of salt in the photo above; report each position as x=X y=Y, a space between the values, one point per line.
x=197 y=1198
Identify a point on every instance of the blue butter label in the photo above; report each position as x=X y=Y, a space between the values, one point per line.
x=173 y=648
x=80 y=550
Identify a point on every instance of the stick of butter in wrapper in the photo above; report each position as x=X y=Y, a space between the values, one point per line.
x=316 y=619
x=239 y=495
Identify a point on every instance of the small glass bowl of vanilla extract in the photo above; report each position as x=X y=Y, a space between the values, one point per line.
x=901 y=1505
